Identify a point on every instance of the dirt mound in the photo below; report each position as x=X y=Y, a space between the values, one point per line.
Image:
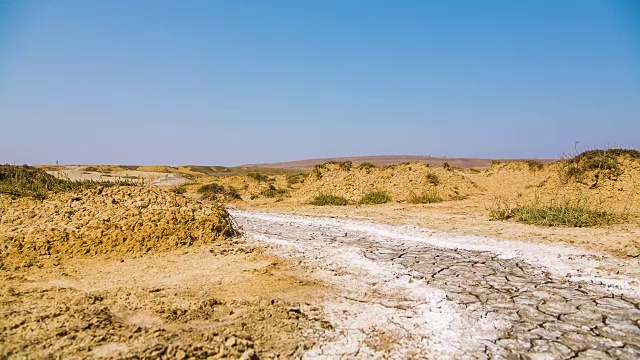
x=606 y=180
x=117 y=220
x=401 y=182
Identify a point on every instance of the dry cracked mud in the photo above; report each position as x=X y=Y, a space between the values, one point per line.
x=406 y=292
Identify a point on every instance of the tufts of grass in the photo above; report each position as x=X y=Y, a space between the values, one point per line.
x=258 y=177
x=343 y=165
x=569 y=213
x=28 y=181
x=367 y=166
x=433 y=179
x=427 y=197
x=375 y=198
x=328 y=199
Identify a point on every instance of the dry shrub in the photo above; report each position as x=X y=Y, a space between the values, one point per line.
x=375 y=198
x=427 y=197
x=328 y=199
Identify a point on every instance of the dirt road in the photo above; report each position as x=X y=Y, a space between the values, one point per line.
x=407 y=292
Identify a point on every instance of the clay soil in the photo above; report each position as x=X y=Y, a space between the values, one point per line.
x=224 y=300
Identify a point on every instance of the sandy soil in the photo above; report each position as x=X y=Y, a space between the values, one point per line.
x=227 y=300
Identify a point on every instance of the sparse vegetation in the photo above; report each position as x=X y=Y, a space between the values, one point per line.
x=342 y=165
x=296 y=178
x=569 y=213
x=211 y=188
x=446 y=166
x=258 y=177
x=328 y=199
x=19 y=181
x=605 y=164
x=216 y=191
x=433 y=179
x=272 y=192
x=367 y=165
x=535 y=165
x=427 y=197
x=375 y=198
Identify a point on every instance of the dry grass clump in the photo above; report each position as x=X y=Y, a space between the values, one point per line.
x=433 y=179
x=375 y=198
x=28 y=181
x=427 y=197
x=116 y=220
x=328 y=199
x=569 y=213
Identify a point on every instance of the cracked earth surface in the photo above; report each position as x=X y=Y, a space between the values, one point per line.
x=407 y=292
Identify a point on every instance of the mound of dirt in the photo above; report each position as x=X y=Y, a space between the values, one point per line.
x=401 y=182
x=116 y=220
x=613 y=184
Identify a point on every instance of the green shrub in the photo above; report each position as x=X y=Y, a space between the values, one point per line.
x=427 y=197
x=215 y=191
x=211 y=188
x=272 y=192
x=296 y=178
x=375 y=197
x=367 y=166
x=569 y=213
x=327 y=199
x=258 y=177
x=433 y=179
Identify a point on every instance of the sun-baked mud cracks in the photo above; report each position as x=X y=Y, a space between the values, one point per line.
x=408 y=292
x=120 y=221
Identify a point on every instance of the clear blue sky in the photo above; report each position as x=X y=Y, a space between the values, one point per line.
x=232 y=82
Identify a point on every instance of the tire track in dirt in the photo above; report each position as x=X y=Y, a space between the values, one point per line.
x=410 y=292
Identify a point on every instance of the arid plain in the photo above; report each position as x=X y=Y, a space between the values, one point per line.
x=460 y=258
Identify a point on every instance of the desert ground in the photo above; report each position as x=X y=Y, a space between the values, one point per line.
x=345 y=259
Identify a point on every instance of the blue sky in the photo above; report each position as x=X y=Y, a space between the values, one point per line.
x=233 y=82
